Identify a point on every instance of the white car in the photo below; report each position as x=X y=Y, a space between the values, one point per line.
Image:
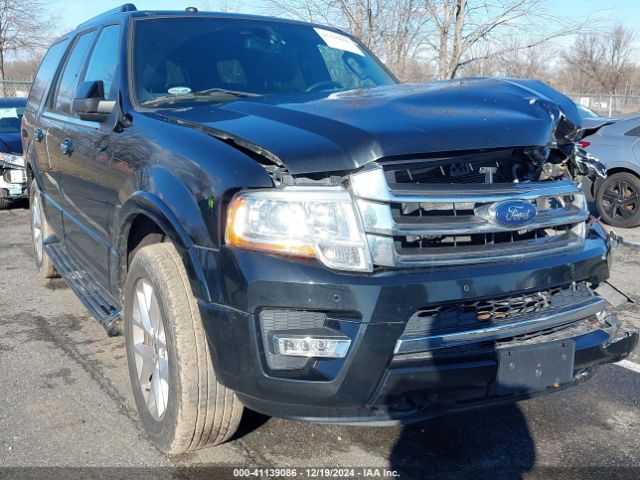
x=13 y=176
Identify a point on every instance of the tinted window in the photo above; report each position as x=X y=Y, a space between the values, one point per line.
x=46 y=73
x=187 y=55
x=69 y=78
x=104 y=60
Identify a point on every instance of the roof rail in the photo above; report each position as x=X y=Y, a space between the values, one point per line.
x=127 y=7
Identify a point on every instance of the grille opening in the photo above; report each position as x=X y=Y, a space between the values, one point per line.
x=509 y=166
x=481 y=313
x=426 y=242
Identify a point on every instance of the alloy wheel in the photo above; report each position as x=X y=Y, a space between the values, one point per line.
x=620 y=200
x=150 y=349
x=36 y=228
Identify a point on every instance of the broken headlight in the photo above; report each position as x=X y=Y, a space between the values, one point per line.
x=308 y=222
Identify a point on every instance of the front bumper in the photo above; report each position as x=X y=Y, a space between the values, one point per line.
x=13 y=184
x=373 y=384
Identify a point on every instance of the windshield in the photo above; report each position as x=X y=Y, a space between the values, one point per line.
x=585 y=112
x=10 y=118
x=220 y=59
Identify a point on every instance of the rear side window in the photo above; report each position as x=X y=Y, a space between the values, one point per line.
x=634 y=132
x=104 y=60
x=69 y=78
x=46 y=72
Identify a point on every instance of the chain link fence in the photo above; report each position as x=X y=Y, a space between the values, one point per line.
x=14 y=88
x=609 y=105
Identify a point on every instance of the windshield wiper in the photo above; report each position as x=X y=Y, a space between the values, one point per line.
x=208 y=93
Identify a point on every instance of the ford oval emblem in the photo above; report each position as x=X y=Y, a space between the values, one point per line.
x=514 y=213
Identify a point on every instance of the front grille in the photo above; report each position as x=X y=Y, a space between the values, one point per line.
x=424 y=223
x=481 y=313
x=412 y=244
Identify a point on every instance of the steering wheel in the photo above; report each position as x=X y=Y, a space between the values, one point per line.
x=322 y=85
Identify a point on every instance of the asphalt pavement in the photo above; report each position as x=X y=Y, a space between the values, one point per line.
x=65 y=402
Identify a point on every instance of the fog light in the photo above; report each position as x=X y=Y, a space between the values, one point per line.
x=311 y=346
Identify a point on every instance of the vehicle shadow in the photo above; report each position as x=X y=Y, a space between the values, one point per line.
x=492 y=444
x=251 y=421
x=19 y=205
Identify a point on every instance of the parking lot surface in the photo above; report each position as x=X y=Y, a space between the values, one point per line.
x=65 y=401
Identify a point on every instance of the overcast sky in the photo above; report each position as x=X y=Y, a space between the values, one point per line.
x=77 y=11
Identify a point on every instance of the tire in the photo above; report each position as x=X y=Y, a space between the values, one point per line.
x=618 y=200
x=194 y=409
x=40 y=230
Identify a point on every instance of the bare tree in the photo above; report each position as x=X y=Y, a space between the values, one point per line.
x=393 y=29
x=602 y=61
x=25 y=25
x=461 y=26
x=219 y=5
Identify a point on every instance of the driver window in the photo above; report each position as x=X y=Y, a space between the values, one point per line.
x=69 y=79
x=104 y=60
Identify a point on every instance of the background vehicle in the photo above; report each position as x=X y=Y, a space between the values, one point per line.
x=285 y=227
x=591 y=119
x=616 y=197
x=13 y=178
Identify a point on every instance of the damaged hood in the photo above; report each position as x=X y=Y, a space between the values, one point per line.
x=345 y=130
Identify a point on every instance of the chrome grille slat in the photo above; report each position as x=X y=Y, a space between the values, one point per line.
x=447 y=224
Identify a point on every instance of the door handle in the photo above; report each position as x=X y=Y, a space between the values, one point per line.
x=66 y=147
x=39 y=134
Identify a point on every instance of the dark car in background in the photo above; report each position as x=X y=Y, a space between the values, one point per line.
x=282 y=226
x=617 y=197
x=13 y=178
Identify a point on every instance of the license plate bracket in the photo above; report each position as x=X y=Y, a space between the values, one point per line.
x=529 y=368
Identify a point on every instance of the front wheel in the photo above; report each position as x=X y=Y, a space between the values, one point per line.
x=618 y=200
x=180 y=402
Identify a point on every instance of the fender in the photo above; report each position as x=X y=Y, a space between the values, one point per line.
x=156 y=209
x=31 y=163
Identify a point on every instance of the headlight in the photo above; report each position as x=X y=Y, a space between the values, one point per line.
x=308 y=222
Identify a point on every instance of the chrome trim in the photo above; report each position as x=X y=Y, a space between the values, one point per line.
x=384 y=253
x=378 y=219
x=522 y=326
x=72 y=120
x=371 y=184
x=340 y=351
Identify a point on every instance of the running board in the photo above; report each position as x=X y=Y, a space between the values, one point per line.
x=99 y=302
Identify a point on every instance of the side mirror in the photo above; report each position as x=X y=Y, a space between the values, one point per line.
x=89 y=102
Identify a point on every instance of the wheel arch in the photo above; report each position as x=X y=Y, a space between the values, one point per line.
x=614 y=170
x=610 y=172
x=147 y=219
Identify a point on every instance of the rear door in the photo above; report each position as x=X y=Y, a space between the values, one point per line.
x=35 y=133
x=58 y=119
x=57 y=108
x=86 y=180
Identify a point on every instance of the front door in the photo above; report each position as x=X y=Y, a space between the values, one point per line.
x=85 y=163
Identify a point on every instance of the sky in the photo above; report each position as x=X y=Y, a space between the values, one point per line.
x=74 y=12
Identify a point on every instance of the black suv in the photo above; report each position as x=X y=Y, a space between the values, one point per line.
x=281 y=225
